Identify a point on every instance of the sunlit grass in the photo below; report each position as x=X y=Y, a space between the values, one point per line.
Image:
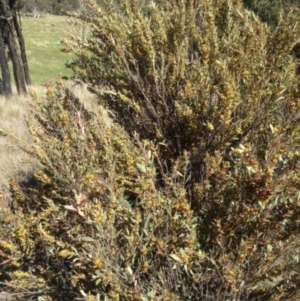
x=43 y=37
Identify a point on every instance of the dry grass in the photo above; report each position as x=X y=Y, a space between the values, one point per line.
x=88 y=99
x=15 y=163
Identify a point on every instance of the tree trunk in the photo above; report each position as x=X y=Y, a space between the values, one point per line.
x=17 y=65
x=8 y=30
x=17 y=23
x=6 y=82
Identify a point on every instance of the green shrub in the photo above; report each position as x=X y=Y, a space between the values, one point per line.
x=192 y=192
x=95 y=222
x=269 y=10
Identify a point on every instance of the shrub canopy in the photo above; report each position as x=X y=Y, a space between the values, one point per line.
x=192 y=192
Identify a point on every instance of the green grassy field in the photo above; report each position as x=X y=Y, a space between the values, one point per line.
x=42 y=38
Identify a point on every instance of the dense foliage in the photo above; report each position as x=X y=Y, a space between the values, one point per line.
x=269 y=10
x=192 y=191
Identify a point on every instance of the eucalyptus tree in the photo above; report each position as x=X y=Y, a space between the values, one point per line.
x=12 y=47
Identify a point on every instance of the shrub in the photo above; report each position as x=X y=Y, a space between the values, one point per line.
x=94 y=222
x=192 y=191
x=269 y=10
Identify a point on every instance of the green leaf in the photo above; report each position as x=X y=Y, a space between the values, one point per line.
x=175 y=257
x=151 y=294
x=98 y=281
x=129 y=269
x=180 y=174
x=141 y=167
x=87 y=238
x=269 y=248
x=147 y=221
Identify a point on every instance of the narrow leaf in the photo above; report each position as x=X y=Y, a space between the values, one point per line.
x=175 y=257
x=141 y=167
x=87 y=238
